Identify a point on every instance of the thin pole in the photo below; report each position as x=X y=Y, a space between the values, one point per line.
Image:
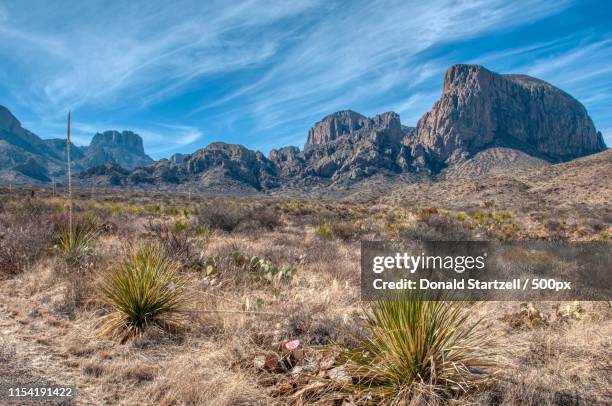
x=69 y=179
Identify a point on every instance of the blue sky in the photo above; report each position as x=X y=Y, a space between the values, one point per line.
x=260 y=73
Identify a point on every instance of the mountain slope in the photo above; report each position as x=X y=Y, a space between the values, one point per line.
x=493 y=161
x=26 y=158
x=573 y=185
x=21 y=150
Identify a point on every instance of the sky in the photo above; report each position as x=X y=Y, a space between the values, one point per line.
x=184 y=74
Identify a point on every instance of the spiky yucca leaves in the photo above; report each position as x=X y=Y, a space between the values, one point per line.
x=418 y=351
x=77 y=240
x=145 y=290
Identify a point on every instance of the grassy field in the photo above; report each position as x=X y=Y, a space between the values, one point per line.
x=172 y=299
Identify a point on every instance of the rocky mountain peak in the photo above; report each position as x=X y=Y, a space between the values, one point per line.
x=349 y=122
x=334 y=126
x=8 y=122
x=284 y=154
x=124 y=148
x=124 y=139
x=480 y=109
x=178 y=158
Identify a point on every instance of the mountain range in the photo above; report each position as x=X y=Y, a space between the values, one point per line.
x=482 y=123
x=26 y=158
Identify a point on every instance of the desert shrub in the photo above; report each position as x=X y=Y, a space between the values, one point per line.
x=324 y=230
x=25 y=235
x=173 y=240
x=497 y=224
x=238 y=217
x=436 y=227
x=528 y=317
x=143 y=291
x=345 y=230
x=222 y=217
x=417 y=350
x=78 y=240
x=341 y=229
x=77 y=259
x=180 y=225
x=76 y=272
x=204 y=232
x=267 y=217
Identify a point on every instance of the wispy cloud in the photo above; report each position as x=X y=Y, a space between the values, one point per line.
x=106 y=52
x=260 y=72
x=367 y=53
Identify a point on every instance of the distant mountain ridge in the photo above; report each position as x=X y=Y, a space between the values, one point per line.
x=484 y=122
x=25 y=155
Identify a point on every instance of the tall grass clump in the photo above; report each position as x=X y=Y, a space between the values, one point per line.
x=74 y=239
x=418 y=352
x=145 y=290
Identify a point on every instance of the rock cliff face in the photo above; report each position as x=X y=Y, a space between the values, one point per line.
x=348 y=122
x=481 y=109
x=335 y=125
x=124 y=148
x=127 y=140
x=345 y=147
x=178 y=158
x=217 y=165
x=24 y=155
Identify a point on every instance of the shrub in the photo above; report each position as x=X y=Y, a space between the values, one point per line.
x=77 y=241
x=238 y=217
x=175 y=242
x=179 y=226
x=144 y=290
x=324 y=230
x=266 y=217
x=25 y=235
x=417 y=350
x=436 y=227
x=222 y=217
x=345 y=230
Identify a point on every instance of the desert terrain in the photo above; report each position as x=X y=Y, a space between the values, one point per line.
x=229 y=345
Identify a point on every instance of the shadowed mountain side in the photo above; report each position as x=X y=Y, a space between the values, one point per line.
x=25 y=158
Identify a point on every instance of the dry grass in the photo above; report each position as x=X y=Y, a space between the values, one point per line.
x=236 y=316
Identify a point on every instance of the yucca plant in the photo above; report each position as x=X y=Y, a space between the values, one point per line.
x=418 y=350
x=145 y=290
x=76 y=238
